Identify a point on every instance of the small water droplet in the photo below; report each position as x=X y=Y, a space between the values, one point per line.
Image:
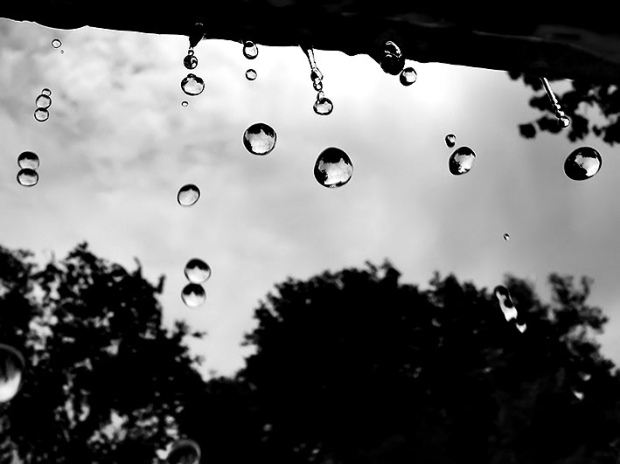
x=450 y=140
x=12 y=366
x=192 y=85
x=188 y=195
x=41 y=114
x=46 y=91
x=184 y=452
x=28 y=160
x=193 y=295
x=506 y=237
x=259 y=139
x=333 y=168
x=197 y=271
x=316 y=74
x=461 y=161
x=27 y=177
x=250 y=50
x=505 y=302
x=408 y=76
x=250 y=74
x=43 y=101
x=190 y=61
x=62 y=52
x=184 y=103
x=564 y=121
x=323 y=106
x=392 y=64
x=583 y=163
x=56 y=43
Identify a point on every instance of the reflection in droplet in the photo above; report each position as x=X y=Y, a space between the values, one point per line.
x=250 y=74
x=461 y=161
x=259 y=139
x=184 y=452
x=56 y=43
x=41 y=114
x=190 y=61
x=184 y=103
x=250 y=50
x=193 y=295
x=12 y=366
x=450 y=140
x=46 y=91
x=192 y=85
x=323 y=106
x=505 y=302
x=583 y=163
x=28 y=159
x=27 y=177
x=506 y=237
x=408 y=76
x=333 y=168
x=564 y=121
x=43 y=101
x=188 y=195
x=197 y=271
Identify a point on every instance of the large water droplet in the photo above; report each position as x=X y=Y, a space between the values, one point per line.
x=27 y=177
x=56 y=43
x=197 y=271
x=583 y=163
x=43 y=101
x=450 y=140
x=323 y=106
x=408 y=76
x=193 y=295
x=188 y=195
x=250 y=74
x=333 y=168
x=46 y=91
x=461 y=161
x=196 y=34
x=41 y=114
x=190 y=61
x=259 y=139
x=505 y=302
x=184 y=452
x=11 y=372
x=192 y=85
x=250 y=50
x=28 y=160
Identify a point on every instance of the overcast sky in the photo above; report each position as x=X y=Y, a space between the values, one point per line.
x=118 y=145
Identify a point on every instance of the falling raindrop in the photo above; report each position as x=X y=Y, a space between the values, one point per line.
x=583 y=163
x=43 y=101
x=184 y=452
x=250 y=50
x=450 y=140
x=461 y=161
x=323 y=106
x=193 y=295
x=250 y=74
x=46 y=91
x=192 y=85
x=196 y=35
x=505 y=302
x=41 y=114
x=56 y=43
x=197 y=271
x=259 y=139
x=27 y=177
x=12 y=366
x=184 y=103
x=408 y=76
x=392 y=60
x=28 y=160
x=506 y=237
x=188 y=195
x=333 y=168
x=579 y=395
x=62 y=52
x=190 y=61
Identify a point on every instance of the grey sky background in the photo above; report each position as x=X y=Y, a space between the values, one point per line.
x=118 y=146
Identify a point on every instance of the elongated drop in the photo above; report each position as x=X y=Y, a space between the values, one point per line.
x=12 y=366
x=43 y=101
x=408 y=76
x=392 y=61
x=333 y=168
x=27 y=177
x=28 y=160
x=196 y=34
x=188 y=195
x=461 y=161
x=193 y=295
x=184 y=452
x=450 y=140
x=250 y=50
x=323 y=106
x=259 y=139
x=192 y=85
x=250 y=74
x=583 y=163
x=197 y=271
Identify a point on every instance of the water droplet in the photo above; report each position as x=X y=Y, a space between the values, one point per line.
x=408 y=76
x=46 y=91
x=62 y=52
x=196 y=34
x=333 y=168
x=323 y=106
x=188 y=195
x=318 y=85
x=564 y=121
x=11 y=372
x=184 y=103
x=391 y=47
x=41 y=114
x=521 y=327
x=56 y=43
x=505 y=302
x=197 y=271
x=259 y=139
x=193 y=295
x=28 y=160
x=184 y=452
x=250 y=50
x=578 y=394
x=250 y=74
x=450 y=140
x=506 y=237
x=461 y=161
x=43 y=101
x=27 y=177
x=583 y=163
x=316 y=74
x=392 y=64
x=192 y=85
x=190 y=61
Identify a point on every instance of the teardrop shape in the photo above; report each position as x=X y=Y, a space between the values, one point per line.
x=27 y=177
x=333 y=168
x=461 y=161
x=259 y=139
x=323 y=106
x=188 y=195
x=250 y=50
x=184 y=452
x=28 y=160
x=192 y=85
x=197 y=271
x=583 y=163
x=193 y=295
x=408 y=76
